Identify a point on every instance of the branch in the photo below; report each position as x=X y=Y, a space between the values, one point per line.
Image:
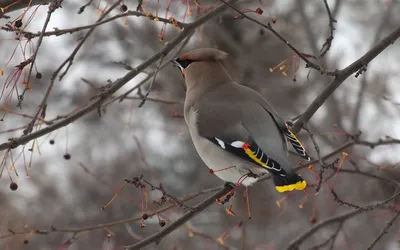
x=365 y=208
x=179 y=222
x=378 y=143
x=108 y=224
x=328 y=43
x=294 y=244
x=268 y=26
x=332 y=238
x=59 y=32
x=69 y=60
x=162 y=190
x=8 y=6
x=385 y=230
x=361 y=91
x=52 y=7
x=15 y=142
x=341 y=75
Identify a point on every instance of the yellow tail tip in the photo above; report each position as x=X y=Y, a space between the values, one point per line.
x=297 y=186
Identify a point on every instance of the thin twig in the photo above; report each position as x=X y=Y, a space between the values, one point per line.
x=83 y=7
x=321 y=163
x=385 y=230
x=328 y=43
x=268 y=26
x=340 y=149
x=300 y=5
x=150 y=75
x=13 y=5
x=363 y=85
x=152 y=82
x=71 y=57
x=173 y=198
x=58 y=70
x=193 y=232
x=332 y=238
x=294 y=244
x=108 y=224
x=55 y=4
x=59 y=32
x=363 y=208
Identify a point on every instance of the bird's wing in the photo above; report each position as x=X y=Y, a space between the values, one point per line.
x=244 y=129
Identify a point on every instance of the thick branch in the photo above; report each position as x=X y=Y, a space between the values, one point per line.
x=342 y=75
x=182 y=220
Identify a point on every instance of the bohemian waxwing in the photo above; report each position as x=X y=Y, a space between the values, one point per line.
x=236 y=132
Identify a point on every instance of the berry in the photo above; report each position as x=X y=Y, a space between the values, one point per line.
x=52 y=142
x=162 y=223
x=13 y=186
x=67 y=156
x=18 y=23
x=145 y=216
x=124 y=8
x=38 y=75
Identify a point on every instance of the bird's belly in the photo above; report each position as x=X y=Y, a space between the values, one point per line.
x=225 y=165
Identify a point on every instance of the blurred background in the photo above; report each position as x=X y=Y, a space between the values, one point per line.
x=153 y=141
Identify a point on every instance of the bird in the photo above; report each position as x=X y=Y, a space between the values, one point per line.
x=235 y=131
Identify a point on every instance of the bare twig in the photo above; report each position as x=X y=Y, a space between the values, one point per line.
x=193 y=232
x=321 y=163
x=156 y=238
x=268 y=26
x=93 y=105
x=83 y=7
x=152 y=82
x=328 y=43
x=364 y=208
x=54 y=4
x=71 y=57
x=58 y=70
x=385 y=230
x=59 y=32
x=149 y=76
x=109 y=224
x=300 y=5
x=162 y=190
x=343 y=147
x=363 y=85
x=332 y=238
x=12 y=5
x=294 y=244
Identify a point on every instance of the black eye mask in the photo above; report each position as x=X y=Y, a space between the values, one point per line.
x=182 y=64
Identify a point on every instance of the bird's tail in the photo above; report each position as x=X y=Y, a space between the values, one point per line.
x=289 y=182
